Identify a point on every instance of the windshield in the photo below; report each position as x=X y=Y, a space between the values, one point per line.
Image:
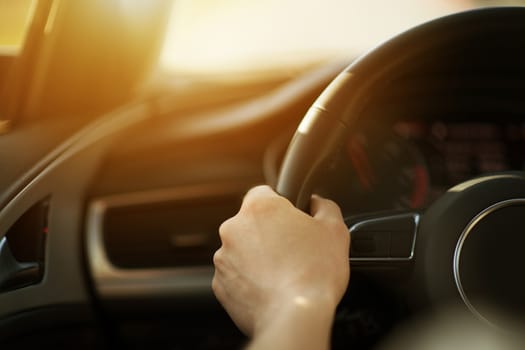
x=245 y=35
x=15 y=17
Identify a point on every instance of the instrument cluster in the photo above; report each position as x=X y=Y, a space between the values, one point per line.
x=411 y=163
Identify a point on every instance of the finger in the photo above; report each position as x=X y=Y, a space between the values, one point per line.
x=255 y=196
x=218 y=288
x=259 y=191
x=262 y=199
x=225 y=231
x=325 y=209
x=218 y=259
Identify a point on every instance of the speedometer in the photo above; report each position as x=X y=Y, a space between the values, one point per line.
x=379 y=172
x=390 y=171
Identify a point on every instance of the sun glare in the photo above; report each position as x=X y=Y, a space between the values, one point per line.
x=15 y=17
x=209 y=35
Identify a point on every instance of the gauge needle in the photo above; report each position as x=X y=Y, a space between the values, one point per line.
x=420 y=186
x=361 y=164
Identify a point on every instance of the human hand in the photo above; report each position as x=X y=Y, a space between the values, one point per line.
x=274 y=255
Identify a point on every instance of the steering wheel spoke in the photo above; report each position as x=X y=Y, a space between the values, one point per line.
x=382 y=239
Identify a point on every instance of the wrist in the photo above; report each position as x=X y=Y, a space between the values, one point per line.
x=302 y=322
x=312 y=303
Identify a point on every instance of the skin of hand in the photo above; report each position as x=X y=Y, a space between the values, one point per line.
x=280 y=273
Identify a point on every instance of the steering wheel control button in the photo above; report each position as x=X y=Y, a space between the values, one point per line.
x=385 y=238
x=370 y=244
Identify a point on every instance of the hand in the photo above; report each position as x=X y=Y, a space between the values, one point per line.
x=274 y=255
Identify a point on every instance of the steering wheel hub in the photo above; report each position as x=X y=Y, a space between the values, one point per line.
x=469 y=246
x=487 y=260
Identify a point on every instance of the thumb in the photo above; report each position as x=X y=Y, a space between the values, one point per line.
x=325 y=209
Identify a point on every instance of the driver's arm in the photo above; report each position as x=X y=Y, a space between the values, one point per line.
x=280 y=273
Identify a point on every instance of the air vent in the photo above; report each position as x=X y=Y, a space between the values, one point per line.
x=166 y=233
x=22 y=249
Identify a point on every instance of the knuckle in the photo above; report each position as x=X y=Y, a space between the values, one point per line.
x=256 y=206
x=216 y=286
x=218 y=258
x=258 y=198
x=225 y=230
x=257 y=191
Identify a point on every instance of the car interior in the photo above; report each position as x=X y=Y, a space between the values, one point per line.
x=115 y=174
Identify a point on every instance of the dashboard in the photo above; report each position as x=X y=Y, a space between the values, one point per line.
x=157 y=229
x=151 y=201
x=396 y=158
x=151 y=197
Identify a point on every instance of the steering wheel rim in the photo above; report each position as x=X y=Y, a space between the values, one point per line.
x=322 y=131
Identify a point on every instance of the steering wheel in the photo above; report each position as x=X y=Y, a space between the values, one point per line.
x=466 y=246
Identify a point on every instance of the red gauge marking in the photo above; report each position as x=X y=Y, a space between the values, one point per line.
x=419 y=193
x=361 y=164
